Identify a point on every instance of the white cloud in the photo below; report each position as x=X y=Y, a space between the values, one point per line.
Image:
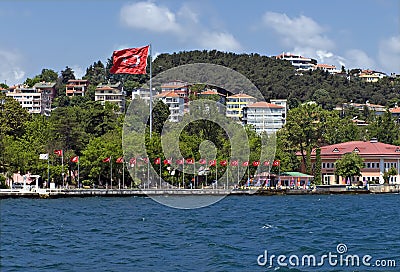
x=149 y=16
x=79 y=72
x=300 y=32
x=389 y=54
x=10 y=70
x=184 y=25
x=218 y=40
x=356 y=58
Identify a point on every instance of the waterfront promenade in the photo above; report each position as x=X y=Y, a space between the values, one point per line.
x=60 y=193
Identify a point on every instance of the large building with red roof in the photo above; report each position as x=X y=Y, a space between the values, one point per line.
x=378 y=159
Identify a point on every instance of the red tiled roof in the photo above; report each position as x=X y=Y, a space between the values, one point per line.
x=105 y=88
x=362 y=148
x=265 y=105
x=167 y=94
x=395 y=110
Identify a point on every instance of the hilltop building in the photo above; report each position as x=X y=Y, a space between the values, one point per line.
x=378 y=159
x=299 y=62
x=76 y=87
x=36 y=100
x=111 y=93
x=179 y=87
x=371 y=76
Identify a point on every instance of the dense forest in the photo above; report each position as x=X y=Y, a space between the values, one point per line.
x=82 y=127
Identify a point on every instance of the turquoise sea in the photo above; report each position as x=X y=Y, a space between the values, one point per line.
x=234 y=234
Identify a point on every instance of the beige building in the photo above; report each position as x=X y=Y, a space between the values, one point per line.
x=111 y=93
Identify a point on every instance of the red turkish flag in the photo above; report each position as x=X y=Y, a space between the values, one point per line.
x=212 y=162
x=256 y=163
x=234 y=163
x=179 y=161
x=107 y=159
x=74 y=159
x=167 y=162
x=266 y=163
x=58 y=152
x=157 y=161
x=120 y=160
x=202 y=161
x=223 y=163
x=189 y=161
x=276 y=163
x=130 y=61
x=246 y=163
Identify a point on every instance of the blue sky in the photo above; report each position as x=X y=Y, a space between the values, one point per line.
x=55 y=34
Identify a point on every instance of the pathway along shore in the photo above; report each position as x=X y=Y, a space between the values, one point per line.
x=319 y=190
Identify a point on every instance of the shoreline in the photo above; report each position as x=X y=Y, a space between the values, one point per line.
x=319 y=190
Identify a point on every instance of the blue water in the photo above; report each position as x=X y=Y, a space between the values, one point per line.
x=139 y=234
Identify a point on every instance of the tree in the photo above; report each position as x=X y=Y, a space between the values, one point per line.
x=349 y=165
x=160 y=116
x=66 y=75
x=12 y=116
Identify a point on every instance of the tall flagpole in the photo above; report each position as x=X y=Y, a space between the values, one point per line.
x=151 y=96
x=62 y=166
x=48 y=170
x=123 y=173
x=78 y=171
x=110 y=173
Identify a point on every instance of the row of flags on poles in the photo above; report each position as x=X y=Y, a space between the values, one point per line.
x=157 y=161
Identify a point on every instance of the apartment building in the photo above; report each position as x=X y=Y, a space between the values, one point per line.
x=175 y=104
x=112 y=93
x=264 y=116
x=236 y=103
x=144 y=94
x=76 y=87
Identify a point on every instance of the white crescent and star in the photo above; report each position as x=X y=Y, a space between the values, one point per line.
x=132 y=61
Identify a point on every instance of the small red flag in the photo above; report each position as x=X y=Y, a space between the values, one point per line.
x=266 y=163
x=179 y=161
x=212 y=162
x=166 y=162
x=223 y=163
x=276 y=163
x=234 y=163
x=189 y=161
x=130 y=61
x=120 y=160
x=74 y=159
x=202 y=161
x=256 y=163
x=157 y=161
x=132 y=161
x=107 y=159
x=58 y=152
x=245 y=163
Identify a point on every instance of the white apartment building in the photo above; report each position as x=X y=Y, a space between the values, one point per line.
x=175 y=104
x=265 y=117
x=111 y=93
x=33 y=100
x=144 y=94
x=299 y=62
